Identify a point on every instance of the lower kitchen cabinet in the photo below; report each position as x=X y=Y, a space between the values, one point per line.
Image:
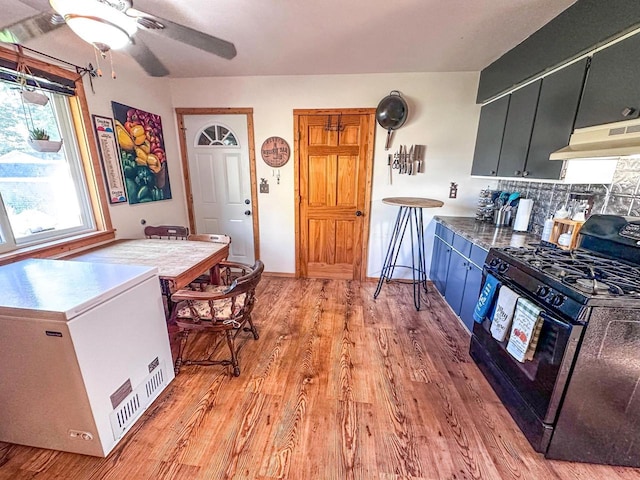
x=456 y=271
x=440 y=255
x=455 y=281
x=472 y=285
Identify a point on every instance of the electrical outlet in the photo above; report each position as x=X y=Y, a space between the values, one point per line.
x=80 y=435
x=264 y=186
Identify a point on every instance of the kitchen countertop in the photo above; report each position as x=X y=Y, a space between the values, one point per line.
x=485 y=234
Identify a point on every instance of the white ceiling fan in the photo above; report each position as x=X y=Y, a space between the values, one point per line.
x=112 y=24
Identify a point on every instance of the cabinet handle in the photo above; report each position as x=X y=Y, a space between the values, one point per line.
x=626 y=111
x=517 y=172
x=525 y=173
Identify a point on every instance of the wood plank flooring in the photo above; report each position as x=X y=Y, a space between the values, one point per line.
x=338 y=386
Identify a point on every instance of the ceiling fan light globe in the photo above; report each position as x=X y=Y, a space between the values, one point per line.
x=96 y=31
x=96 y=22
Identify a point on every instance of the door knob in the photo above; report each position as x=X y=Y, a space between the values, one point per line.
x=247 y=201
x=359 y=213
x=247 y=212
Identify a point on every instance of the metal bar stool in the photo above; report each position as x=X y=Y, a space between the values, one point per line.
x=409 y=215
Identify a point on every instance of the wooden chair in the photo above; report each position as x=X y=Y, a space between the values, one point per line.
x=222 y=309
x=169 y=232
x=203 y=280
x=210 y=237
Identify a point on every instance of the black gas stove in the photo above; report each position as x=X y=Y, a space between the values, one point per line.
x=577 y=399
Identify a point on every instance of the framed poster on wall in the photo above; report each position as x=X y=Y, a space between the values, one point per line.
x=110 y=158
x=142 y=154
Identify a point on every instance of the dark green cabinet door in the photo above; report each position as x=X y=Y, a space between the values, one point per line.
x=489 y=140
x=456 y=278
x=557 y=107
x=517 y=130
x=471 y=293
x=440 y=264
x=612 y=87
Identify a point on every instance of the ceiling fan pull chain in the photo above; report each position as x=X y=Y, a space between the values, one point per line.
x=98 y=69
x=113 y=72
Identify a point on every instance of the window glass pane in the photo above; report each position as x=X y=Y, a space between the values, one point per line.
x=230 y=140
x=43 y=192
x=203 y=140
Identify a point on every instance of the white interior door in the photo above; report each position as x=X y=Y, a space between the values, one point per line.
x=218 y=151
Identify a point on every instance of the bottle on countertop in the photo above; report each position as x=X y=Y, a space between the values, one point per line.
x=546 y=231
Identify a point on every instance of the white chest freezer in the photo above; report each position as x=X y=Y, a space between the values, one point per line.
x=84 y=350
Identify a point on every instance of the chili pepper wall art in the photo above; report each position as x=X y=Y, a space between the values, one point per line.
x=142 y=154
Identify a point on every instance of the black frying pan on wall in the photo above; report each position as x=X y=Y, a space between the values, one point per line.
x=391 y=113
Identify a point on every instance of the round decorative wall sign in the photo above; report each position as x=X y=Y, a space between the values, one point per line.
x=275 y=151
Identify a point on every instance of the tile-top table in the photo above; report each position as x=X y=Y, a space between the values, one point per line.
x=178 y=261
x=410 y=214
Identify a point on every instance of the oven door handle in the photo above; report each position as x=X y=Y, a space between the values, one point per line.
x=546 y=317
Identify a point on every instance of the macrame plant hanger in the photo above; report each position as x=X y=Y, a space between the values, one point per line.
x=38 y=138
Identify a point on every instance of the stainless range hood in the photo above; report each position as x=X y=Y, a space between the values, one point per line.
x=613 y=140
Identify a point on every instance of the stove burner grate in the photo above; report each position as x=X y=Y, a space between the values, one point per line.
x=587 y=272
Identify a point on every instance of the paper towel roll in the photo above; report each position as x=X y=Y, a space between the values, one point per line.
x=521 y=223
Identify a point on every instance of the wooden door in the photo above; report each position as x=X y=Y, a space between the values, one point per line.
x=334 y=166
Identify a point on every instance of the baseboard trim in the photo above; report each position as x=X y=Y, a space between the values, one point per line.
x=279 y=274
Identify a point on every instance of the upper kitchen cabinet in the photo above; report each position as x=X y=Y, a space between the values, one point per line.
x=517 y=130
x=557 y=106
x=612 y=92
x=489 y=140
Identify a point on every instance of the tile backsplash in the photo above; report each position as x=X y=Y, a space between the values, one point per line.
x=622 y=197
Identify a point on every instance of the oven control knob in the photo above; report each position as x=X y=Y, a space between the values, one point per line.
x=542 y=291
x=494 y=262
x=503 y=267
x=557 y=300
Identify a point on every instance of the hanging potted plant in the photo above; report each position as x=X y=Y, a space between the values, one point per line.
x=32 y=96
x=39 y=141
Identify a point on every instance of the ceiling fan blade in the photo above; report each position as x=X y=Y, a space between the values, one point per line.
x=31 y=27
x=146 y=59
x=183 y=34
x=40 y=5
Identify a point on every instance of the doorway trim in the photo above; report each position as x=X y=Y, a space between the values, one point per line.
x=248 y=112
x=368 y=185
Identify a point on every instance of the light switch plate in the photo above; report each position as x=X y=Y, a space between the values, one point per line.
x=264 y=186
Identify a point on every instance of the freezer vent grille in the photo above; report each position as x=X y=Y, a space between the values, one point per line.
x=127 y=411
x=156 y=381
x=137 y=402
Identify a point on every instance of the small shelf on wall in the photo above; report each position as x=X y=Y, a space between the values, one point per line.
x=565 y=226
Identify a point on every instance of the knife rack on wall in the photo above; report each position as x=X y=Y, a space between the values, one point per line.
x=407 y=161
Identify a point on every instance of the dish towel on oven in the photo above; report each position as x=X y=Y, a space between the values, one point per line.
x=525 y=327
x=485 y=300
x=503 y=314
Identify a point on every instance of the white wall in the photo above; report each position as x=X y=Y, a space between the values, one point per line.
x=131 y=87
x=443 y=116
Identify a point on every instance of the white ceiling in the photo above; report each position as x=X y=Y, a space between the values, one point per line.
x=303 y=37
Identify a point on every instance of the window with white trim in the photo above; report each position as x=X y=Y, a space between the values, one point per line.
x=43 y=195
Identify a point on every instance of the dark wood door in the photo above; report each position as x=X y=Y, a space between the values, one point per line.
x=612 y=85
x=489 y=139
x=557 y=107
x=517 y=130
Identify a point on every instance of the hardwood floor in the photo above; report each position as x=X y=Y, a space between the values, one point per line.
x=338 y=386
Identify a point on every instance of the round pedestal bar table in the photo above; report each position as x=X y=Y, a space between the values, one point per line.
x=409 y=215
